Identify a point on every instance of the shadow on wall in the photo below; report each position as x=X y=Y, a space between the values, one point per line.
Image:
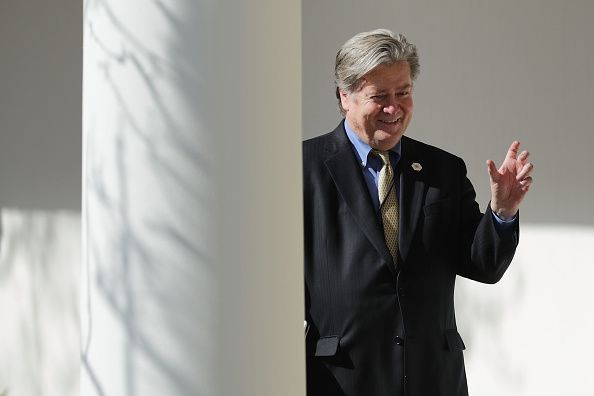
x=39 y=282
x=530 y=334
x=145 y=272
x=163 y=108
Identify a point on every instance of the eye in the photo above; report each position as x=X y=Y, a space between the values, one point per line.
x=404 y=94
x=379 y=98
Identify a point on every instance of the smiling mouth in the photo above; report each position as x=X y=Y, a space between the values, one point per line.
x=393 y=122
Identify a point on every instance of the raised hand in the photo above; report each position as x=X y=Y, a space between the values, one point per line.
x=511 y=182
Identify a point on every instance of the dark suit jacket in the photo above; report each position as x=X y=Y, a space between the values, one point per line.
x=378 y=327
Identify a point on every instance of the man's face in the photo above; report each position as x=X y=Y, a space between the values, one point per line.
x=381 y=108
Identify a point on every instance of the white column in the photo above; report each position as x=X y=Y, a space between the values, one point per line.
x=192 y=219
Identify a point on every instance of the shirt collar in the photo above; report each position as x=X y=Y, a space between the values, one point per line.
x=362 y=149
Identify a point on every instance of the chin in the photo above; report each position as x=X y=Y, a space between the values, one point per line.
x=384 y=145
x=387 y=140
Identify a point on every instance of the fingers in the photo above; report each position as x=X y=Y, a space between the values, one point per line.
x=512 y=157
x=525 y=171
x=526 y=183
x=524 y=179
x=512 y=152
x=516 y=163
x=523 y=157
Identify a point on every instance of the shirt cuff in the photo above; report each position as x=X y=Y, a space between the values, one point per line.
x=504 y=226
x=503 y=221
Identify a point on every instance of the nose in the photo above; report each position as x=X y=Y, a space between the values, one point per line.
x=392 y=105
x=391 y=108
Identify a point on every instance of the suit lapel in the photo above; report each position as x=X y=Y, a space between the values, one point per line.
x=347 y=176
x=412 y=188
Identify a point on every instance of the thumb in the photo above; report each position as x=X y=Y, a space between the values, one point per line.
x=493 y=172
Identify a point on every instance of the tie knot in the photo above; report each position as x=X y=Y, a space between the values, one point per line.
x=383 y=155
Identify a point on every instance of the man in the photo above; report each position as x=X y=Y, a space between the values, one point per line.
x=389 y=223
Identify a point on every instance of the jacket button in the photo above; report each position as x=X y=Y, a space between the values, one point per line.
x=399 y=340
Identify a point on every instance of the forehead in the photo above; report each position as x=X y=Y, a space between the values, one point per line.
x=391 y=76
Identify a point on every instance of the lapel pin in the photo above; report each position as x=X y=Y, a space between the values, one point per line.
x=416 y=166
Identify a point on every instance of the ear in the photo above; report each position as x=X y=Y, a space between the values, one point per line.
x=344 y=99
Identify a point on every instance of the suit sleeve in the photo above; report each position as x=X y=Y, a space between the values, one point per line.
x=486 y=253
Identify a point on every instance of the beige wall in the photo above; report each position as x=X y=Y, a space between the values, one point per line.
x=40 y=104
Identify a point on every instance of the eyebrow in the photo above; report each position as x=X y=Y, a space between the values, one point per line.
x=406 y=86
x=382 y=91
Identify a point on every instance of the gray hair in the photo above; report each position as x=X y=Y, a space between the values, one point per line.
x=366 y=51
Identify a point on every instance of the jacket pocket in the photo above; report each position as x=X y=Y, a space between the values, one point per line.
x=324 y=346
x=454 y=341
x=437 y=207
x=438 y=227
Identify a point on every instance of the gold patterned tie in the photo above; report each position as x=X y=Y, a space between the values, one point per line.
x=388 y=203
